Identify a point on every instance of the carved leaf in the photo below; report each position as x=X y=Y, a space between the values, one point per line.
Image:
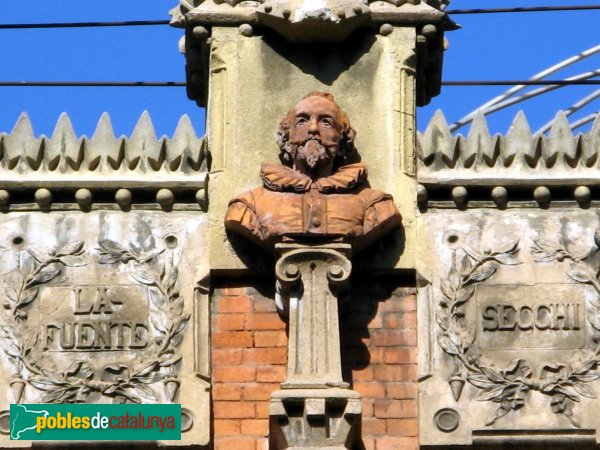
x=583 y=390
x=30 y=340
x=157 y=324
x=73 y=248
x=447 y=345
x=169 y=360
x=146 y=392
x=176 y=340
x=480 y=381
x=146 y=370
x=73 y=261
x=465 y=295
x=182 y=323
x=47 y=274
x=55 y=396
x=148 y=256
x=483 y=274
x=544 y=251
x=580 y=273
x=11 y=349
x=10 y=292
x=495 y=393
x=151 y=378
x=42 y=384
x=493 y=374
x=446 y=290
x=588 y=377
x=500 y=412
x=465 y=264
x=144 y=276
x=593 y=317
x=177 y=308
x=511 y=248
x=468 y=337
x=110 y=246
x=507 y=259
x=172 y=278
x=454 y=279
x=79 y=369
x=442 y=320
x=156 y=298
x=28 y=296
x=109 y=258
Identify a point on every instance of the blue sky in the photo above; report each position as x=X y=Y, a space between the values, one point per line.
x=489 y=46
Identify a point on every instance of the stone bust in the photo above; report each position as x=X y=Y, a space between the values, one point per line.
x=318 y=194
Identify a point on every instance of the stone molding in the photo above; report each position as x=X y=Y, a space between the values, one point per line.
x=171 y=166
x=326 y=22
x=519 y=165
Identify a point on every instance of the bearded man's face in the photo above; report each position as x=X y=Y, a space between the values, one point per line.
x=315 y=133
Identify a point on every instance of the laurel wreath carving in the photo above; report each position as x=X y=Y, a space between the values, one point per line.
x=119 y=381
x=565 y=384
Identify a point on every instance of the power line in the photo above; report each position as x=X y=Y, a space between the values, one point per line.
x=129 y=23
x=93 y=83
x=523 y=9
x=521 y=82
x=183 y=84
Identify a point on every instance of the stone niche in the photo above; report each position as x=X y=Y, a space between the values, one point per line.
x=509 y=320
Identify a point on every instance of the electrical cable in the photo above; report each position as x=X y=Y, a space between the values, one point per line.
x=129 y=23
x=556 y=83
x=9 y=26
x=522 y=9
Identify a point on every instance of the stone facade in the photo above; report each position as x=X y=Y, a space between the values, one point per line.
x=469 y=319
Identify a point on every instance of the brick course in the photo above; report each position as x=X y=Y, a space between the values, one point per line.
x=249 y=358
x=379 y=358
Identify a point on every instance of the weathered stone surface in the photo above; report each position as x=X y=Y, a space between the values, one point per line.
x=103 y=162
x=105 y=307
x=519 y=158
x=241 y=124
x=509 y=321
x=314 y=418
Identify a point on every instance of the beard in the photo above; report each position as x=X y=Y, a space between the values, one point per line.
x=312 y=151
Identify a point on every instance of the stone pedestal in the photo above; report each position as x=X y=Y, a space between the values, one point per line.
x=313 y=410
x=310 y=282
x=314 y=419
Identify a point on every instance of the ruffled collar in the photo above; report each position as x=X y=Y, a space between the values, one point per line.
x=282 y=178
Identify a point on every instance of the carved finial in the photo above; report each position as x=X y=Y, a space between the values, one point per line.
x=104 y=149
x=63 y=147
x=479 y=142
x=519 y=141
x=143 y=146
x=591 y=144
x=185 y=147
x=21 y=144
x=560 y=142
x=437 y=142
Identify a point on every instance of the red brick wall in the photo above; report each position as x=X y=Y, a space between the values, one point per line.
x=379 y=355
x=249 y=360
x=249 y=357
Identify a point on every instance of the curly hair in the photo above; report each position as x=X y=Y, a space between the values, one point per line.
x=346 y=150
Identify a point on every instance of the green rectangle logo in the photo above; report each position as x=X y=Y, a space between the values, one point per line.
x=89 y=422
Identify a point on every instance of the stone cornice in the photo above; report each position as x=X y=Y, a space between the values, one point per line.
x=177 y=166
x=518 y=158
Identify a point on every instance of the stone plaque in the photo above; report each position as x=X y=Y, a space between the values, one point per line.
x=520 y=317
x=509 y=317
x=104 y=307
